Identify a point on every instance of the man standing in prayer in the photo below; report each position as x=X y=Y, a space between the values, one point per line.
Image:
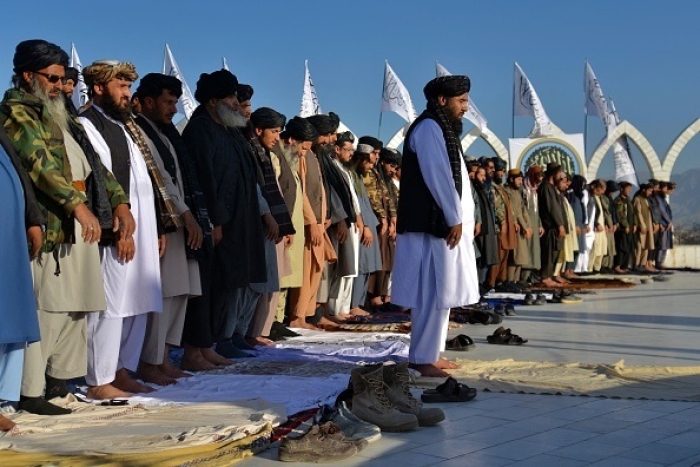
x=435 y=268
x=179 y=274
x=533 y=178
x=23 y=224
x=506 y=227
x=227 y=174
x=115 y=336
x=82 y=203
x=519 y=255
x=554 y=222
x=625 y=235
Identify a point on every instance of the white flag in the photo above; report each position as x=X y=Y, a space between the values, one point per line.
x=224 y=65
x=186 y=104
x=309 y=100
x=473 y=114
x=395 y=96
x=527 y=103
x=624 y=169
x=80 y=93
x=595 y=101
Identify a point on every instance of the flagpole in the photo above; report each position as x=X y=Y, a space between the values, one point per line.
x=379 y=130
x=512 y=114
x=585 y=112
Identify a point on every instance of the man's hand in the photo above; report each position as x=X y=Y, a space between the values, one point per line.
x=126 y=248
x=367 y=237
x=385 y=226
x=392 y=228
x=578 y=230
x=91 y=231
x=541 y=231
x=34 y=239
x=288 y=241
x=477 y=229
x=454 y=236
x=162 y=245
x=341 y=233
x=316 y=234
x=562 y=232
x=195 y=235
x=217 y=234
x=123 y=221
x=272 y=230
x=359 y=225
x=517 y=228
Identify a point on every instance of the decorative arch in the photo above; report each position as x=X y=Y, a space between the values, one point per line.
x=677 y=147
x=487 y=135
x=625 y=128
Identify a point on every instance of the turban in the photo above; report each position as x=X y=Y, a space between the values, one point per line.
x=216 y=85
x=390 y=156
x=448 y=86
x=265 y=118
x=153 y=84
x=364 y=149
x=515 y=173
x=344 y=137
x=624 y=185
x=612 y=186
x=335 y=120
x=300 y=129
x=535 y=169
x=653 y=182
x=72 y=73
x=499 y=164
x=324 y=124
x=245 y=92
x=104 y=71
x=37 y=54
x=372 y=141
x=552 y=168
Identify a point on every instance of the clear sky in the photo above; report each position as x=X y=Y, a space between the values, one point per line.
x=645 y=53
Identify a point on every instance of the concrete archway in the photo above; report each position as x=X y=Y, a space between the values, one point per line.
x=677 y=147
x=625 y=128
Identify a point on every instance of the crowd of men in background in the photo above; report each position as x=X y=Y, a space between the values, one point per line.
x=222 y=237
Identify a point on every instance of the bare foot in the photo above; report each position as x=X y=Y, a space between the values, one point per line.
x=6 y=424
x=549 y=282
x=359 y=312
x=106 y=391
x=212 y=357
x=376 y=302
x=429 y=370
x=167 y=368
x=258 y=341
x=299 y=323
x=325 y=323
x=445 y=364
x=561 y=280
x=125 y=382
x=152 y=374
x=196 y=362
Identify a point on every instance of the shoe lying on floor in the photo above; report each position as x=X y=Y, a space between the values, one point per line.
x=396 y=379
x=322 y=443
x=460 y=343
x=529 y=300
x=503 y=336
x=352 y=427
x=541 y=300
x=449 y=391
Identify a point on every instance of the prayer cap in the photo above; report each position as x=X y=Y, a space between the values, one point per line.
x=265 y=118
x=612 y=186
x=104 y=71
x=344 y=137
x=300 y=129
x=448 y=86
x=535 y=169
x=217 y=85
x=372 y=141
x=323 y=123
x=515 y=173
x=391 y=156
x=37 y=54
x=244 y=92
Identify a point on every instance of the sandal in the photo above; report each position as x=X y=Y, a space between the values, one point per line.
x=449 y=391
x=460 y=343
x=504 y=337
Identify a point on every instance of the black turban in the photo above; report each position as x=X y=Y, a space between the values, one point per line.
x=390 y=156
x=300 y=129
x=37 y=54
x=265 y=118
x=324 y=124
x=244 y=92
x=72 y=73
x=335 y=120
x=612 y=186
x=216 y=85
x=448 y=86
x=499 y=164
x=153 y=85
x=372 y=141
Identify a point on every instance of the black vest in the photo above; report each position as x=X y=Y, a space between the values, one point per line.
x=118 y=145
x=417 y=211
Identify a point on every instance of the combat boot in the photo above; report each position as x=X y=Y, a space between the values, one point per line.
x=397 y=379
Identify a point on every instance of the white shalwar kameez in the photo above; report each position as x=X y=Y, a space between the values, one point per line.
x=428 y=277
x=116 y=335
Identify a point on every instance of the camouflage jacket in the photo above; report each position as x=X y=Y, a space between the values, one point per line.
x=382 y=204
x=40 y=146
x=625 y=211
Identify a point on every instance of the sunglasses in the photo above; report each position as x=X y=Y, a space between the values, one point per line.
x=53 y=79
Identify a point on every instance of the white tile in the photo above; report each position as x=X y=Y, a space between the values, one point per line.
x=516 y=413
x=629 y=438
x=452 y=448
x=404 y=459
x=669 y=406
x=622 y=462
x=600 y=425
x=635 y=414
x=519 y=450
x=475 y=459
x=386 y=446
x=587 y=451
x=661 y=453
x=560 y=437
x=548 y=460
x=689 y=439
x=664 y=426
x=578 y=413
x=693 y=461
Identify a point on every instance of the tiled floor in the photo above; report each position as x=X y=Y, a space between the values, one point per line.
x=650 y=324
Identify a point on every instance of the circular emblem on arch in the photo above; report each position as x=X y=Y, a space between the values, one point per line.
x=542 y=151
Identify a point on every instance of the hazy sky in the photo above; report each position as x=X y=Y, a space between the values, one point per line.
x=645 y=54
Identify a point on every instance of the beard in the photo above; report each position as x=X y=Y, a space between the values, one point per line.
x=115 y=110
x=56 y=106
x=229 y=117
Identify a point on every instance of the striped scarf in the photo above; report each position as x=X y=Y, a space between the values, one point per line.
x=169 y=217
